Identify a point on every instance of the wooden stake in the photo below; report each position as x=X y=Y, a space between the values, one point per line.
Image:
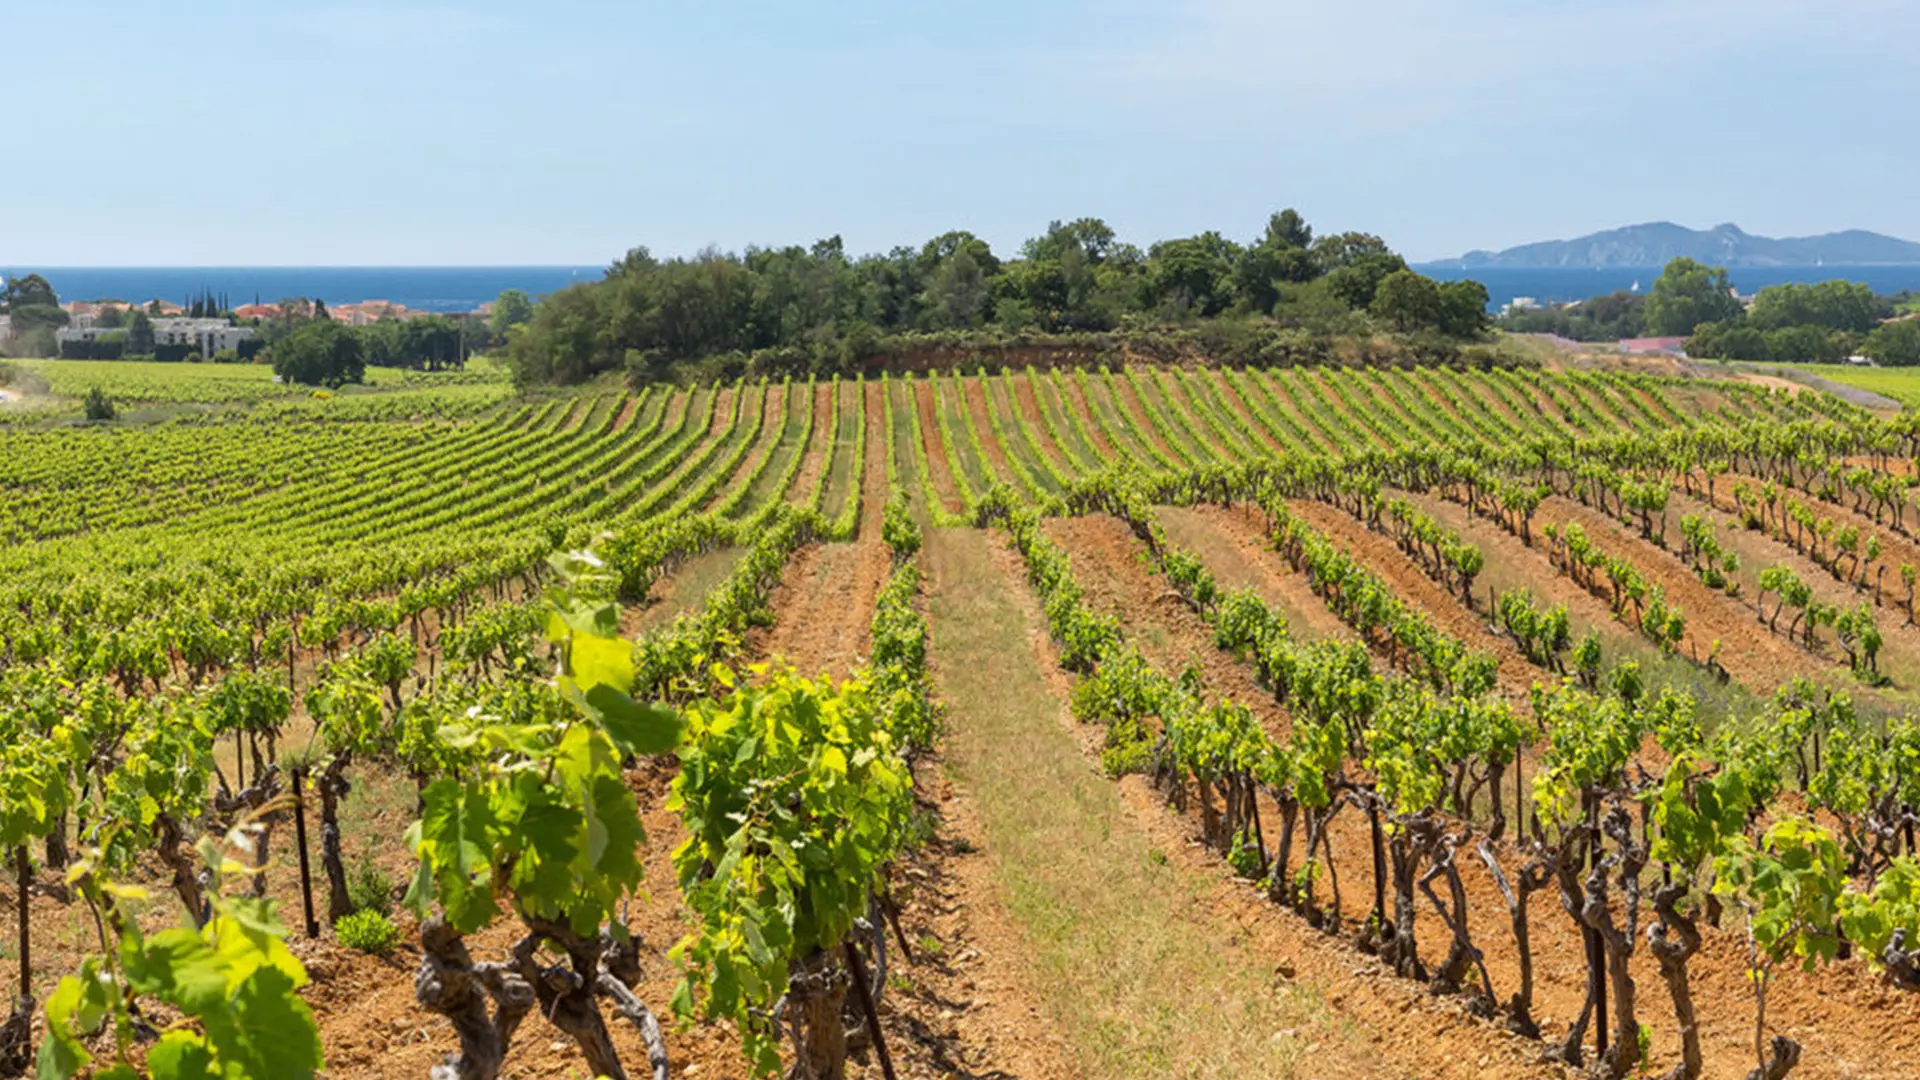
x=300 y=837
x=859 y=969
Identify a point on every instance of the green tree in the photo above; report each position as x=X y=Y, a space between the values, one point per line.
x=1687 y=294
x=957 y=292
x=1830 y=305
x=1896 y=344
x=1355 y=264
x=1730 y=340
x=1407 y=301
x=31 y=290
x=140 y=334
x=1463 y=309
x=1279 y=258
x=1808 y=342
x=1193 y=276
x=322 y=353
x=511 y=309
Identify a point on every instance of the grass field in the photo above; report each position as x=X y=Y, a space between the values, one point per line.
x=1896 y=384
x=1258 y=691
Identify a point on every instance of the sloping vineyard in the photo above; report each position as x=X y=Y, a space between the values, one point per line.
x=1582 y=699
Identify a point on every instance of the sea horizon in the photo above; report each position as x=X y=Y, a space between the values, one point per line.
x=418 y=288
x=465 y=288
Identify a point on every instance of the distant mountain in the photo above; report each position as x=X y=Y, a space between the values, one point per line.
x=1658 y=243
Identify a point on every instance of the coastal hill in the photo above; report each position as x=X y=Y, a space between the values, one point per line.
x=1657 y=243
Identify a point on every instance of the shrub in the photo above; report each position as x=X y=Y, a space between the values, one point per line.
x=368 y=931
x=370 y=888
x=99 y=406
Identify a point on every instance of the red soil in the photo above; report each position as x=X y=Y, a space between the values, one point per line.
x=1283 y=396
x=933 y=448
x=1035 y=422
x=1473 y=394
x=1444 y=609
x=1232 y=543
x=1127 y=403
x=1502 y=549
x=1073 y=396
x=1754 y=657
x=873 y=493
x=1895 y=547
x=628 y=407
x=773 y=412
x=976 y=400
x=1851 y=1023
x=821 y=437
x=1230 y=394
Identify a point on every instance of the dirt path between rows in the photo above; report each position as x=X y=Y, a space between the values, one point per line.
x=817 y=461
x=1112 y=565
x=1750 y=654
x=773 y=426
x=1256 y=423
x=975 y=396
x=1900 y=654
x=1158 y=962
x=1310 y=421
x=933 y=447
x=1127 y=404
x=1073 y=397
x=823 y=608
x=1035 y=422
x=1512 y=564
x=1233 y=544
x=1845 y=1015
x=1895 y=547
x=629 y=406
x=1384 y=558
x=1407 y=1031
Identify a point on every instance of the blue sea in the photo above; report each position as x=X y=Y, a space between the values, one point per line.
x=1563 y=283
x=422 y=288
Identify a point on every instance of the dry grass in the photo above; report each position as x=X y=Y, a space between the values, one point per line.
x=1144 y=975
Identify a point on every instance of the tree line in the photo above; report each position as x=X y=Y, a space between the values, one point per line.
x=1821 y=322
x=818 y=308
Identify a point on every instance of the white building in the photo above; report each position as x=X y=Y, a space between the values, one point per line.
x=206 y=336
x=209 y=336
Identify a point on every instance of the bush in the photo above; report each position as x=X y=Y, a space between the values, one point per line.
x=370 y=888
x=99 y=406
x=898 y=528
x=367 y=931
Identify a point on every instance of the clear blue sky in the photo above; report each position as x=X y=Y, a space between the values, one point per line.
x=206 y=132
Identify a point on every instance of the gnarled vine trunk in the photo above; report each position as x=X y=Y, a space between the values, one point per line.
x=1673 y=939
x=333 y=787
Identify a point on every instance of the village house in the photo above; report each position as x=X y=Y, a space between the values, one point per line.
x=205 y=336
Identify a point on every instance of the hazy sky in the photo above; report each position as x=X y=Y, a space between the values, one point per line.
x=206 y=132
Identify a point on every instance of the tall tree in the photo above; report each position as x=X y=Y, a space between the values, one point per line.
x=1687 y=294
x=31 y=290
x=1407 y=301
x=321 y=353
x=1279 y=258
x=511 y=309
x=1831 y=305
x=140 y=334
